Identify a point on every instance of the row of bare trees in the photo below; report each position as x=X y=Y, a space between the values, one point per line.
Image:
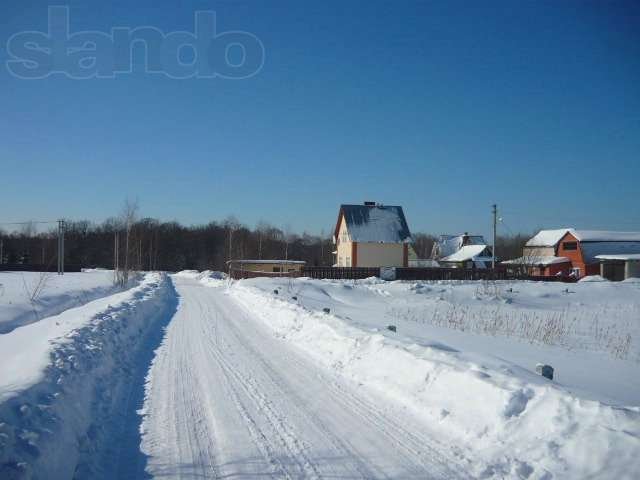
x=129 y=243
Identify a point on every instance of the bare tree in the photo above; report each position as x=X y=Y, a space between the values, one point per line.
x=287 y=238
x=127 y=221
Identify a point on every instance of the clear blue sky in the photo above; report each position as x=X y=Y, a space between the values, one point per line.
x=442 y=107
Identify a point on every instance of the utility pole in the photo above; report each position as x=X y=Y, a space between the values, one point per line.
x=495 y=224
x=60 y=247
x=116 y=241
x=1 y=250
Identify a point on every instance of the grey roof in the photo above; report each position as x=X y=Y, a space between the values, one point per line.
x=590 y=250
x=375 y=223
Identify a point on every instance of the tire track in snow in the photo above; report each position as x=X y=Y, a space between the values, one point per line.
x=338 y=445
x=226 y=398
x=413 y=445
x=278 y=426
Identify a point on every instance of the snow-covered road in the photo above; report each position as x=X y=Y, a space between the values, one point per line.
x=225 y=398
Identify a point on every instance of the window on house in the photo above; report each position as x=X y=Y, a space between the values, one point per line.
x=276 y=269
x=570 y=245
x=348 y=262
x=340 y=261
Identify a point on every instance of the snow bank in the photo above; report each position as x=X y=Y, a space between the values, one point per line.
x=206 y=277
x=593 y=278
x=519 y=424
x=64 y=378
x=27 y=297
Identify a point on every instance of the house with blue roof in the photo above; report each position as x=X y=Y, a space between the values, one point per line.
x=371 y=235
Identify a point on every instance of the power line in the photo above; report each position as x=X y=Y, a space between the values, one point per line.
x=31 y=222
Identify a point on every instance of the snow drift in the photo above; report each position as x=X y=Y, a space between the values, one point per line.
x=27 y=297
x=59 y=411
x=519 y=424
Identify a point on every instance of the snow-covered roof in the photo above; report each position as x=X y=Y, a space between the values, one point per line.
x=286 y=262
x=605 y=236
x=550 y=238
x=449 y=244
x=547 y=238
x=628 y=256
x=375 y=223
x=536 y=260
x=468 y=252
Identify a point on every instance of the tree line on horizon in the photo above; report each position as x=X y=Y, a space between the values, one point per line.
x=171 y=246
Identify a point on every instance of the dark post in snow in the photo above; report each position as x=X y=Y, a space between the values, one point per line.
x=60 y=247
x=545 y=370
x=493 y=248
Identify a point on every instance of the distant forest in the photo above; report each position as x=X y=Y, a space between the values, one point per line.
x=155 y=245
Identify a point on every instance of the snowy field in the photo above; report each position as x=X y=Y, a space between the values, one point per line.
x=585 y=330
x=195 y=376
x=27 y=297
x=463 y=359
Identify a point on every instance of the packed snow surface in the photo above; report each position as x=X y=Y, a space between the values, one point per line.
x=226 y=398
x=197 y=376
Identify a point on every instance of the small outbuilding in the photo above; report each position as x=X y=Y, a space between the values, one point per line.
x=271 y=267
x=619 y=267
x=462 y=251
x=469 y=256
x=540 y=265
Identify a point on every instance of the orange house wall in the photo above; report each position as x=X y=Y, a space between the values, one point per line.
x=576 y=256
x=553 y=270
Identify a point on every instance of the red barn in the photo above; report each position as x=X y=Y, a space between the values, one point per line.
x=568 y=251
x=583 y=246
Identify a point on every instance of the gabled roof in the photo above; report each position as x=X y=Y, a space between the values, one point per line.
x=547 y=238
x=375 y=223
x=550 y=238
x=449 y=244
x=468 y=252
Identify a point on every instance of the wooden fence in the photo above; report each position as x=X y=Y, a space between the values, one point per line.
x=340 y=273
x=237 y=274
x=428 y=273
x=401 y=273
